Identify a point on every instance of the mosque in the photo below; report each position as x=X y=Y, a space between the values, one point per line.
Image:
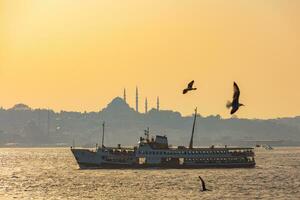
x=137 y=100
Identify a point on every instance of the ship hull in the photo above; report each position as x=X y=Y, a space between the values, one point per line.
x=149 y=166
x=87 y=159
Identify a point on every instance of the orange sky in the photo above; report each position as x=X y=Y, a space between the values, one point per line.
x=78 y=55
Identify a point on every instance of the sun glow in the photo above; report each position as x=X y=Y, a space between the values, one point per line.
x=78 y=55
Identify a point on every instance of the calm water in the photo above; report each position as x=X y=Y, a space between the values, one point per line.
x=53 y=174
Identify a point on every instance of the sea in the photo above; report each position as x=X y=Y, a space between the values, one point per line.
x=52 y=173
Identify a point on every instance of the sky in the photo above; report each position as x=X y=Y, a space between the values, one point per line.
x=78 y=55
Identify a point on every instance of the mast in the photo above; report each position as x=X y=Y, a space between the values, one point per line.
x=147 y=134
x=192 y=137
x=73 y=141
x=103 y=127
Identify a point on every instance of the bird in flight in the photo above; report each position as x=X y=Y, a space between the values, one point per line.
x=203 y=184
x=235 y=104
x=189 y=87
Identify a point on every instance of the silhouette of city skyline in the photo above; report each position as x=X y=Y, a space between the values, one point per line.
x=24 y=126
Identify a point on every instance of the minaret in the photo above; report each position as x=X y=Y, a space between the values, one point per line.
x=137 y=99
x=48 y=122
x=146 y=105
x=124 y=95
x=157 y=103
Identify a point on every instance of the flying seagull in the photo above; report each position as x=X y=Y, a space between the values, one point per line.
x=189 y=87
x=235 y=104
x=203 y=185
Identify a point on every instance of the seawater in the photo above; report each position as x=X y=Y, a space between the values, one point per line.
x=52 y=173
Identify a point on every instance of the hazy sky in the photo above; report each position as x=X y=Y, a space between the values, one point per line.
x=78 y=54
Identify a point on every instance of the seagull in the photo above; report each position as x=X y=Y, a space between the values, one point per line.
x=189 y=87
x=203 y=185
x=235 y=104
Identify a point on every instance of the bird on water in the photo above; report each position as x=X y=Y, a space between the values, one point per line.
x=189 y=87
x=235 y=104
x=203 y=185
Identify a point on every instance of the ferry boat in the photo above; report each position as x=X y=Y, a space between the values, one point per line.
x=156 y=152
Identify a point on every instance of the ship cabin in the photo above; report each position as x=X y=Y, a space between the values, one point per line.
x=160 y=142
x=157 y=152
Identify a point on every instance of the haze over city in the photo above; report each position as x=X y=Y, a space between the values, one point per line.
x=67 y=55
x=150 y=99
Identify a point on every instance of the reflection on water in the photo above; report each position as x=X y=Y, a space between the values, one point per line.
x=53 y=174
